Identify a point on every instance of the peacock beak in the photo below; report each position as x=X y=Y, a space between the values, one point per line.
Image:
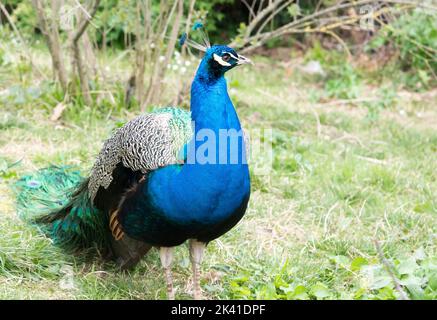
x=243 y=60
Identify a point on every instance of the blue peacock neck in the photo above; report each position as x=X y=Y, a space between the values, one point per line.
x=211 y=106
x=224 y=186
x=214 y=118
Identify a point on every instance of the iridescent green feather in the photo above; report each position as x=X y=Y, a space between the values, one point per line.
x=180 y=126
x=57 y=201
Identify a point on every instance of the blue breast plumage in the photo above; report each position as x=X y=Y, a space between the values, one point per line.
x=199 y=199
x=161 y=179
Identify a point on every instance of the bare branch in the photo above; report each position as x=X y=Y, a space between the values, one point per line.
x=250 y=8
x=389 y=268
x=85 y=22
x=20 y=38
x=273 y=15
x=254 y=37
x=52 y=39
x=155 y=85
x=78 y=59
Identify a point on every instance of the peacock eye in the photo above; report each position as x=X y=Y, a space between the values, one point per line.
x=226 y=57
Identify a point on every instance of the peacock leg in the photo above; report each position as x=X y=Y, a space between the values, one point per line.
x=197 y=249
x=166 y=256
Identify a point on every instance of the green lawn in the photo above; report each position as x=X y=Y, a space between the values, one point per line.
x=344 y=175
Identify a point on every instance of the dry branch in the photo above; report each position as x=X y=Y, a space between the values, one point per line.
x=389 y=268
x=255 y=34
x=164 y=47
x=20 y=38
x=51 y=35
x=78 y=59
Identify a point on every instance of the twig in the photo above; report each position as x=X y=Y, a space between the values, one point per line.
x=18 y=34
x=52 y=40
x=389 y=268
x=155 y=85
x=325 y=223
x=316 y=116
x=372 y=160
x=305 y=24
x=80 y=30
x=81 y=70
x=251 y=12
x=340 y=40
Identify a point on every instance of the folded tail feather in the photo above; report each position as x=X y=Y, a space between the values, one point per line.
x=56 y=199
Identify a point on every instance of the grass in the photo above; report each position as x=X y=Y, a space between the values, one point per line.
x=343 y=176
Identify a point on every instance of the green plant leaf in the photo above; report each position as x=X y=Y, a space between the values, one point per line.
x=357 y=263
x=340 y=260
x=360 y=294
x=432 y=282
x=410 y=280
x=386 y=293
x=415 y=291
x=408 y=266
x=380 y=282
x=320 y=290
x=294 y=10
x=267 y=292
x=299 y=293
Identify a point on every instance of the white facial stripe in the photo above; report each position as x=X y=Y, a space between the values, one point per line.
x=240 y=59
x=221 y=61
x=236 y=58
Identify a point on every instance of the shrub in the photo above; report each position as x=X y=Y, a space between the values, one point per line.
x=414 y=36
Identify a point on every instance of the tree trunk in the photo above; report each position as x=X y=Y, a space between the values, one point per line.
x=155 y=86
x=51 y=35
x=78 y=59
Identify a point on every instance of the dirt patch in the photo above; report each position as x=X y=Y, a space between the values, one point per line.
x=7 y=204
x=25 y=150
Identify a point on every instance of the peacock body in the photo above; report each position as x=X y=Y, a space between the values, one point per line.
x=144 y=190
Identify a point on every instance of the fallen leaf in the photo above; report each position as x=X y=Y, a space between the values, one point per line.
x=57 y=111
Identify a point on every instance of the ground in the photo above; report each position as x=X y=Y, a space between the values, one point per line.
x=351 y=194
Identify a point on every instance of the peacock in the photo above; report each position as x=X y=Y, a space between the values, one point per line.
x=162 y=179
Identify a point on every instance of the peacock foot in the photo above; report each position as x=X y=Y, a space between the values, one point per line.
x=197 y=249
x=166 y=256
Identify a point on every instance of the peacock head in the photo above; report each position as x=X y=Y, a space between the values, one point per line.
x=221 y=58
x=218 y=59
